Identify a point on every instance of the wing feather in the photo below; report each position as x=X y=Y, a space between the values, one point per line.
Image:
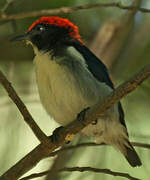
x=99 y=71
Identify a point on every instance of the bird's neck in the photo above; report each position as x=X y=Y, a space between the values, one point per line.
x=59 y=50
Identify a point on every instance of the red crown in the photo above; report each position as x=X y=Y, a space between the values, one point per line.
x=57 y=21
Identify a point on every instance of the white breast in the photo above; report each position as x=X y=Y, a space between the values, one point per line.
x=58 y=92
x=65 y=91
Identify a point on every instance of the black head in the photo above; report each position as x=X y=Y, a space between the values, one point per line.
x=51 y=33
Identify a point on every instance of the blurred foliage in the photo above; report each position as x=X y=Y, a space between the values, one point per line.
x=16 y=61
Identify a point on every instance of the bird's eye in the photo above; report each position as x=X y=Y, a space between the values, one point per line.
x=40 y=28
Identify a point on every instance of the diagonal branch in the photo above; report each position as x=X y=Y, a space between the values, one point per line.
x=4 y=8
x=23 y=110
x=64 y=10
x=82 y=169
x=41 y=151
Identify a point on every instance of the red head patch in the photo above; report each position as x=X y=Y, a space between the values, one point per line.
x=57 y=21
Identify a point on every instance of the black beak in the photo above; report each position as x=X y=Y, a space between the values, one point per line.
x=21 y=37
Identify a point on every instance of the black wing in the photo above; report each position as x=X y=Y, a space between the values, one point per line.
x=99 y=71
x=96 y=67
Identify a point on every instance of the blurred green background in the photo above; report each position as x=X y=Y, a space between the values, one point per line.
x=121 y=39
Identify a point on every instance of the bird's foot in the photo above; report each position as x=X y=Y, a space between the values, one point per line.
x=56 y=134
x=95 y=122
x=81 y=115
x=67 y=142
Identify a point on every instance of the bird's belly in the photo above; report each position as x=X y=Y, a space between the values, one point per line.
x=63 y=105
x=59 y=93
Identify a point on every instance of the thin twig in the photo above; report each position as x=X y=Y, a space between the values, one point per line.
x=23 y=110
x=82 y=169
x=40 y=152
x=105 y=45
x=143 y=145
x=137 y=144
x=64 y=10
x=8 y=2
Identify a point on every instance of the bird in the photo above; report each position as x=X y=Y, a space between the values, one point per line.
x=70 y=78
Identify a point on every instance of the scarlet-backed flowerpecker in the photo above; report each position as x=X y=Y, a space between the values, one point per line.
x=71 y=78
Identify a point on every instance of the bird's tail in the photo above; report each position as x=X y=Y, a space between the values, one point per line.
x=117 y=136
x=130 y=154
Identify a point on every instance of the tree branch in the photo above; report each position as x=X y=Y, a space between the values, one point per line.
x=137 y=144
x=82 y=169
x=23 y=110
x=41 y=151
x=64 y=10
x=6 y=5
x=112 y=36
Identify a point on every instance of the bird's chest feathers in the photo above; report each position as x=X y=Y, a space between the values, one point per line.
x=58 y=92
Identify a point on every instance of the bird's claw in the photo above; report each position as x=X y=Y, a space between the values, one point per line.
x=56 y=134
x=94 y=122
x=81 y=115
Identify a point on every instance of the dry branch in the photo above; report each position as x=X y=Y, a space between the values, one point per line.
x=8 y=2
x=137 y=144
x=41 y=151
x=82 y=169
x=113 y=35
x=64 y=10
x=23 y=110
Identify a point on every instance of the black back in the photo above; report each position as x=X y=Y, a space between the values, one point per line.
x=99 y=71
